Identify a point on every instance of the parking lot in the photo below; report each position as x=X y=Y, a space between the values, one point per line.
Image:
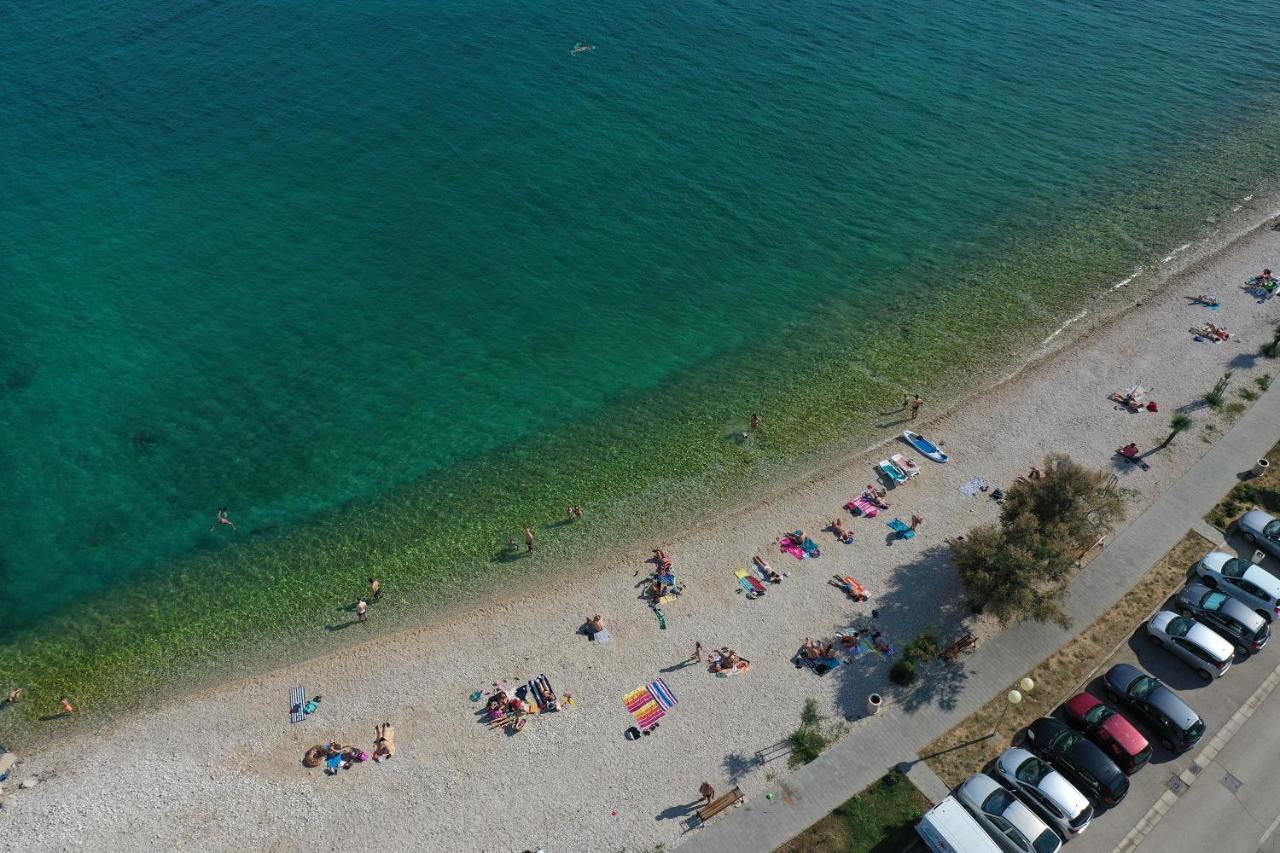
x=1233 y=800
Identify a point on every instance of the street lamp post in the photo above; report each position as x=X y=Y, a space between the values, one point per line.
x=1013 y=697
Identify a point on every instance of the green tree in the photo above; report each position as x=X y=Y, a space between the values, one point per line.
x=1178 y=423
x=1019 y=567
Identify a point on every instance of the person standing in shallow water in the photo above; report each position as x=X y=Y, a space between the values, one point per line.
x=375 y=590
x=362 y=610
x=222 y=519
x=915 y=406
x=529 y=541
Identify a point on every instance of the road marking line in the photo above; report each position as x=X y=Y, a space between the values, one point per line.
x=1158 y=809
x=1270 y=829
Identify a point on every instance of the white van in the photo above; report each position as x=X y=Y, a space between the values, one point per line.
x=948 y=828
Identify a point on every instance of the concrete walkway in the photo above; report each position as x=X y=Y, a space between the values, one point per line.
x=809 y=793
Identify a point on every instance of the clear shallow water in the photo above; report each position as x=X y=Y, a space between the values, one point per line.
x=404 y=278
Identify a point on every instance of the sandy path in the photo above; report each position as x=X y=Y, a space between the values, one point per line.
x=220 y=770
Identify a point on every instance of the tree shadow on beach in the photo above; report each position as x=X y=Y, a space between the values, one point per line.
x=923 y=594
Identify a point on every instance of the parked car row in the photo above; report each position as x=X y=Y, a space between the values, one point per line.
x=1039 y=795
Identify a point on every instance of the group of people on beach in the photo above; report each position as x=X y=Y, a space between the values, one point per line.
x=336 y=756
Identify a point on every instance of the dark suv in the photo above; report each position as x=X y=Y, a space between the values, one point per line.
x=1080 y=761
x=1178 y=727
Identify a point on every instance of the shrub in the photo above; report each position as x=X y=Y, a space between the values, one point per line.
x=1263 y=382
x=903 y=671
x=924 y=648
x=808 y=741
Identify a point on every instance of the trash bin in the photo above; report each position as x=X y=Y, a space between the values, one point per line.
x=1260 y=467
x=874 y=703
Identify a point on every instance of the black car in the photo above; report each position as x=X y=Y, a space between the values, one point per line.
x=1234 y=620
x=1088 y=767
x=1178 y=727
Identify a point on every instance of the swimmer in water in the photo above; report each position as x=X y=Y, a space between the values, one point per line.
x=582 y=48
x=222 y=519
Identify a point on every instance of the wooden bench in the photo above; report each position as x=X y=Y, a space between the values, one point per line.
x=719 y=804
x=967 y=643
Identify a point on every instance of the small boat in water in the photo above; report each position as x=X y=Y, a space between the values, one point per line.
x=926 y=447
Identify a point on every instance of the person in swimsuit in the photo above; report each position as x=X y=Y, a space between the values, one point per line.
x=362 y=610
x=375 y=590
x=222 y=519
x=529 y=541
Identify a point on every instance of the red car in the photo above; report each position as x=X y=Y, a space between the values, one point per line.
x=1108 y=729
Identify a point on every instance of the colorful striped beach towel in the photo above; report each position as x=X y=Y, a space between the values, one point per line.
x=662 y=694
x=644 y=707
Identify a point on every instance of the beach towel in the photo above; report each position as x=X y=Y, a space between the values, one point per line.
x=903 y=530
x=861 y=506
x=601 y=636
x=662 y=694
x=644 y=707
x=296 y=698
x=744 y=580
x=763 y=574
x=811 y=548
x=662 y=618
x=789 y=546
x=971 y=488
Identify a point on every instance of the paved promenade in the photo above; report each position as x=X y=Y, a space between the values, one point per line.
x=877 y=745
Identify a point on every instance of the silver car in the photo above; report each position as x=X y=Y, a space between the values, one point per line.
x=1261 y=529
x=1197 y=645
x=1013 y=826
x=1046 y=791
x=1242 y=580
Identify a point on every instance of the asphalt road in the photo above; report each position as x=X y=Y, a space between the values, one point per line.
x=1233 y=803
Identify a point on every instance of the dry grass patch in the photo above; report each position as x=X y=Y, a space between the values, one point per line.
x=1262 y=492
x=966 y=749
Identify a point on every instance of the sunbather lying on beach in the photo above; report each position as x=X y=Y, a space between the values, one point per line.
x=664 y=559
x=874 y=495
x=841 y=533
x=760 y=563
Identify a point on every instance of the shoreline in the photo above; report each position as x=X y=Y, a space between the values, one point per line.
x=419 y=677
x=1253 y=214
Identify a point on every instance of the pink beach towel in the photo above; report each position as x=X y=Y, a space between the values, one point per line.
x=644 y=707
x=790 y=546
x=861 y=506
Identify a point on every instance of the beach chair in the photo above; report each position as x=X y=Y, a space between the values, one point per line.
x=905 y=465
x=901 y=528
x=967 y=643
x=891 y=472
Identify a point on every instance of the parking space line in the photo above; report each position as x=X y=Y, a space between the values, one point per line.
x=1219 y=741
x=1270 y=829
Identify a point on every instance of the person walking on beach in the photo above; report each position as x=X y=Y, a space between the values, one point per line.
x=707 y=793
x=915 y=406
x=14 y=696
x=916 y=521
x=362 y=610
x=529 y=541
x=222 y=519
x=697 y=652
x=67 y=708
x=755 y=421
x=375 y=590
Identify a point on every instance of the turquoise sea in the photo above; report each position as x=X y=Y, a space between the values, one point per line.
x=391 y=279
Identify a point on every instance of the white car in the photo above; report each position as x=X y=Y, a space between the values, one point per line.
x=1006 y=819
x=1199 y=646
x=1261 y=529
x=1046 y=790
x=1242 y=580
